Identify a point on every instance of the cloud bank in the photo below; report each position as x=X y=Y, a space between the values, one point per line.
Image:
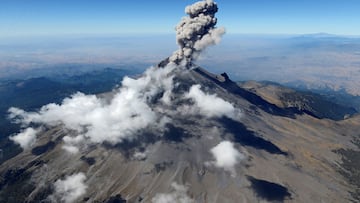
x=70 y=189
x=197 y=31
x=226 y=156
x=179 y=195
x=96 y=120
x=130 y=110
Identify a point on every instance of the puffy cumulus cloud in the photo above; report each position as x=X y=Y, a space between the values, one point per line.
x=71 y=149
x=140 y=155
x=179 y=195
x=26 y=138
x=226 y=156
x=197 y=31
x=69 y=189
x=97 y=120
x=209 y=104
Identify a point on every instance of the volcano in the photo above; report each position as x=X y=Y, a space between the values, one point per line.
x=179 y=133
x=260 y=152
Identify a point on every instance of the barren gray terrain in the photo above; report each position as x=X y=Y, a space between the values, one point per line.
x=287 y=154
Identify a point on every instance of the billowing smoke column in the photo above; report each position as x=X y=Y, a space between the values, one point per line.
x=197 y=31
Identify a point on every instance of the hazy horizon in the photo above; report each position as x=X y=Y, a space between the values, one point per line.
x=48 y=34
x=318 y=59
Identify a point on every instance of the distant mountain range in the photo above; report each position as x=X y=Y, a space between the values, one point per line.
x=318 y=105
x=314 y=61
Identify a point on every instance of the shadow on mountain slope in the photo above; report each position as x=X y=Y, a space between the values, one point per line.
x=268 y=190
x=248 y=138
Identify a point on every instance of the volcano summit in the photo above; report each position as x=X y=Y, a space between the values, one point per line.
x=181 y=134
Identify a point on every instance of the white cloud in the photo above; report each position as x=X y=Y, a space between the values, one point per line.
x=96 y=120
x=26 y=138
x=210 y=105
x=71 y=149
x=72 y=144
x=140 y=155
x=179 y=195
x=226 y=156
x=70 y=189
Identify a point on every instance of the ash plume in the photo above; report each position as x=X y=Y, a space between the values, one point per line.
x=197 y=31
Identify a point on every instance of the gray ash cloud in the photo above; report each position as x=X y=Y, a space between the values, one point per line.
x=196 y=31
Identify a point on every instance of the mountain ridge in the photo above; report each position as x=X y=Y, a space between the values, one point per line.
x=150 y=165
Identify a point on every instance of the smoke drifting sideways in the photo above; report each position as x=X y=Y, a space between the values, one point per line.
x=197 y=31
x=96 y=120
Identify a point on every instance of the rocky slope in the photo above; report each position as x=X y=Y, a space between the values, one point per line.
x=312 y=103
x=282 y=154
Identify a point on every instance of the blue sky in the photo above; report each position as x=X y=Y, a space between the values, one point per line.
x=59 y=17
